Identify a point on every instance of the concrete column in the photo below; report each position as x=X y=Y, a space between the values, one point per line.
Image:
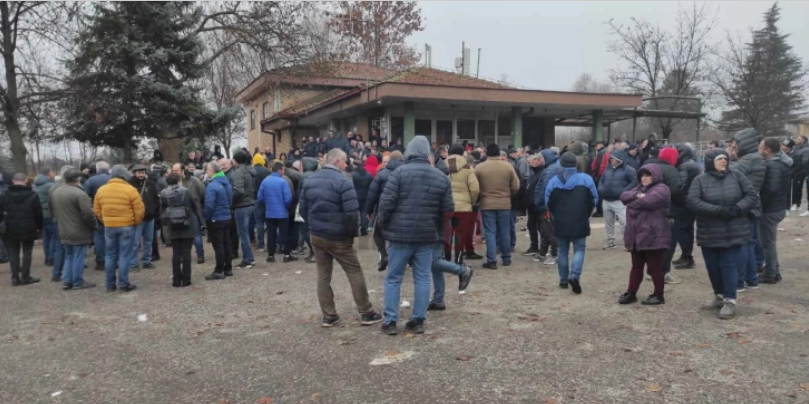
x=516 y=127
x=598 y=125
x=409 y=121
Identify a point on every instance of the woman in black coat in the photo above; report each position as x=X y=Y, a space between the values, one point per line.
x=721 y=199
x=182 y=237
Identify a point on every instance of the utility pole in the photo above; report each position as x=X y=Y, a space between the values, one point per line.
x=463 y=59
x=477 y=73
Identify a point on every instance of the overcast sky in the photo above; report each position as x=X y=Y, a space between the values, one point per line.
x=546 y=45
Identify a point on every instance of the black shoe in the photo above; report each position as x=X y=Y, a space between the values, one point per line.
x=3 y=261
x=148 y=266
x=678 y=261
x=575 y=285
x=234 y=256
x=99 y=266
x=128 y=288
x=228 y=273
x=155 y=258
x=310 y=259
x=473 y=256
x=200 y=260
x=330 y=321
x=370 y=318
x=56 y=279
x=216 y=276
x=778 y=278
x=383 y=264
x=490 y=265
x=363 y=232
x=29 y=281
x=112 y=289
x=390 y=328
x=653 y=300
x=598 y=214
x=245 y=265
x=562 y=285
x=66 y=286
x=176 y=285
x=84 y=285
x=531 y=251
x=768 y=281
x=433 y=306
x=49 y=263
x=506 y=263
x=289 y=258
x=759 y=270
x=686 y=263
x=271 y=259
x=15 y=282
x=465 y=278
x=627 y=298
x=415 y=327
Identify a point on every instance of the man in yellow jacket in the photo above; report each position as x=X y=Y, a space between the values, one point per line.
x=120 y=209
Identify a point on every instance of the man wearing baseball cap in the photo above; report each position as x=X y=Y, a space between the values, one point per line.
x=144 y=233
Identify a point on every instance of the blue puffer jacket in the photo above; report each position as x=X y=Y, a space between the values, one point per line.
x=362 y=183
x=552 y=169
x=616 y=180
x=379 y=183
x=415 y=199
x=276 y=197
x=218 y=199
x=95 y=182
x=329 y=205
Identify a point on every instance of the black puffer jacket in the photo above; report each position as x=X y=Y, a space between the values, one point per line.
x=148 y=193
x=362 y=183
x=22 y=213
x=415 y=199
x=712 y=194
x=329 y=204
x=378 y=184
x=533 y=178
x=672 y=179
x=615 y=180
x=689 y=169
x=776 y=183
x=750 y=163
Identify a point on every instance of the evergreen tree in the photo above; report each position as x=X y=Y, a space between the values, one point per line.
x=133 y=73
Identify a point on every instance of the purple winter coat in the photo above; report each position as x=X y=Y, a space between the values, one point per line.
x=647 y=227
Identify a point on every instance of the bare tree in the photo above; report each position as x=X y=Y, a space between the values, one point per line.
x=658 y=63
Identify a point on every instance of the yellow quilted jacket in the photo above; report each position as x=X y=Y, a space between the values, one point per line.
x=118 y=204
x=465 y=186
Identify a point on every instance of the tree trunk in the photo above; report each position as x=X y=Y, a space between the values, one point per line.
x=11 y=102
x=171 y=149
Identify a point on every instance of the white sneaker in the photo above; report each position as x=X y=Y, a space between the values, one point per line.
x=805 y=214
x=539 y=258
x=794 y=208
x=549 y=260
x=669 y=279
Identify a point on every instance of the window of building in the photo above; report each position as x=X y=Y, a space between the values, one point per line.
x=265 y=110
x=466 y=129
x=276 y=102
x=252 y=119
x=424 y=127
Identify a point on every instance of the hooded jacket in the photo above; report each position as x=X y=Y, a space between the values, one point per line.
x=118 y=204
x=157 y=157
x=329 y=205
x=378 y=185
x=552 y=168
x=582 y=160
x=749 y=162
x=73 y=212
x=149 y=195
x=571 y=197
x=776 y=183
x=177 y=195
x=647 y=225
x=275 y=194
x=644 y=154
x=672 y=179
x=800 y=161
x=95 y=182
x=43 y=184
x=371 y=165
x=243 y=180
x=362 y=183
x=218 y=199
x=21 y=210
x=416 y=198
x=465 y=186
x=721 y=202
x=616 y=180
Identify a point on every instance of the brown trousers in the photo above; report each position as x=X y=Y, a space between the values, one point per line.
x=326 y=251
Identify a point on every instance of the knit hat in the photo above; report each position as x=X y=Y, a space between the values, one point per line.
x=119 y=171
x=568 y=160
x=492 y=150
x=258 y=160
x=632 y=146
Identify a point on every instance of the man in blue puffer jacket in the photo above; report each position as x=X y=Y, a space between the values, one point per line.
x=617 y=178
x=218 y=200
x=378 y=184
x=411 y=211
x=275 y=196
x=547 y=236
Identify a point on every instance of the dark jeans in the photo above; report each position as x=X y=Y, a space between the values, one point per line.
x=797 y=190
x=379 y=241
x=274 y=228
x=181 y=261
x=219 y=233
x=723 y=269
x=513 y=228
x=651 y=259
x=158 y=226
x=234 y=234
x=547 y=235
x=685 y=235
x=20 y=268
x=293 y=234
x=668 y=255
x=768 y=230
x=533 y=228
x=50 y=235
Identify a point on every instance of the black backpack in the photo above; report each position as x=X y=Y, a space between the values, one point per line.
x=176 y=215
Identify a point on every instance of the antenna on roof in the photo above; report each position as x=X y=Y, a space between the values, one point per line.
x=428 y=55
x=477 y=73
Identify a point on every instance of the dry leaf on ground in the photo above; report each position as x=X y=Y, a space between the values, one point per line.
x=703 y=345
x=745 y=341
x=549 y=401
x=805 y=386
x=733 y=335
x=463 y=358
x=653 y=388
x=391 y=353
x=265 y=400
x=675 y=353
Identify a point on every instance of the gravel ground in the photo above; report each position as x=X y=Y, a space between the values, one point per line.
x=515 y=337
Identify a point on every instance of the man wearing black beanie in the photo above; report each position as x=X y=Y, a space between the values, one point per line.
x=498 y=183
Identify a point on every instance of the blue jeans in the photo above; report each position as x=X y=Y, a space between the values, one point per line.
x=119 y=242
x=513 y=228
x=748 y=261
x=579 y=246
x=419 y=256
x=496 y=230
x=50 y=234
x=723 y=269
x=58 y=256
x=439 y=268
x=243 y=216
x=198 y=243
x=100 y=244
x=145 y=230
x=75 y=257
x=258 y=218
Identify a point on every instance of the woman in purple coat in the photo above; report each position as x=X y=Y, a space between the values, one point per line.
x=647 y=233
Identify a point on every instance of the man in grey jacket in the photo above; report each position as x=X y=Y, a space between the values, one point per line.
x=242 y=178
x=73 y=211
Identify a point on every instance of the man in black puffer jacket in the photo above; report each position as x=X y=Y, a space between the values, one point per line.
x=411 y=210
x=749 y=162
x=378 y=184
x=22 y=214
x=774 y=204
x=151 y=201
x=362 y=183
x=684 y=218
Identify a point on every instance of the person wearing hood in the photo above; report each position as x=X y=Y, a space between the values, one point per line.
x=73 y=213
x=218 y=219
x=646 y=147
x=459 y=226
x=498 y=183
x=536 y=164
x=144 y=232
x=217 y=153
x=721 y=198
x=197 y=191
x=412 y=208
x=632 y=156
x=666 y=158
x=578 y=148
x=774 y=205
x=242 y=179
x=548 y=247
x=92 y=186
x=157 y=157
x=683 y=217
x=646 y=235
x=374 y=193
x=617 y=178
x=571 y=197
x=42 y=185
x=362 y=184
x=22 y=217
x=800 y=164
x=749 y=163
x=371 y=165
x=119 y=208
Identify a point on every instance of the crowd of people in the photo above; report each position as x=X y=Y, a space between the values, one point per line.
x=424 y=205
